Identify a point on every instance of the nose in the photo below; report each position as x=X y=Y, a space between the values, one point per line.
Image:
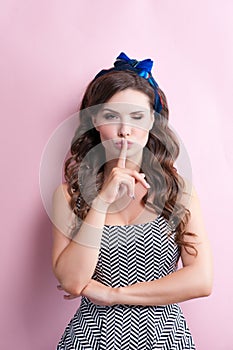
x=124 y=130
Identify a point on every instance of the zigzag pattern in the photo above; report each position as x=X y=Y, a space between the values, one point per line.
x=131 y=254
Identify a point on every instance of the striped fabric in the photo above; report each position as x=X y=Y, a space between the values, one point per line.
x=131 y=254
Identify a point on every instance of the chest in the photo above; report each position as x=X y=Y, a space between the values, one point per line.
x=128 y=211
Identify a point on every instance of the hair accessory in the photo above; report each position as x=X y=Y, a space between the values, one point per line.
x=142 y=68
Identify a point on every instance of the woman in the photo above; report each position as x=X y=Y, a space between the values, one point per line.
x=125 y=217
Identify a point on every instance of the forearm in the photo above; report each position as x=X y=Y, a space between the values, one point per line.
x=184 y=284
x=76 y=264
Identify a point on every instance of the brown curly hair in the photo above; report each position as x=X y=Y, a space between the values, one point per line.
x=84 y=170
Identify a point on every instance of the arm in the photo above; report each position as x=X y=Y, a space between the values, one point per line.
x=192 y=281
x=74 y=263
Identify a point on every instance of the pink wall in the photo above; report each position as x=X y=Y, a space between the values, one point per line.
x=49 y=52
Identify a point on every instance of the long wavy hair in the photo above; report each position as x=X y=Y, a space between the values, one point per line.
x=84 y=169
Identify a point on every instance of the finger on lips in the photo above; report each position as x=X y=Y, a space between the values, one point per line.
x=122 y=156
x=122 y=164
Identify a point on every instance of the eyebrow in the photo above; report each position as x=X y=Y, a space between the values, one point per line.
x=112 y=110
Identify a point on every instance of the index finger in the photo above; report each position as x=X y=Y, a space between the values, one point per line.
x=122 y=156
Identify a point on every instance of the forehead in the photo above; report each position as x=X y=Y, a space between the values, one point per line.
x=124 y=108
x=130 y=98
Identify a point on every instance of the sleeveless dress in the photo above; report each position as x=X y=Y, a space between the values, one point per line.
x=131 y=254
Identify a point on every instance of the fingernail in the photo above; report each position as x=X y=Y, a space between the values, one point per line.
x=142 y=175
x=132 y=196
x=147 y=185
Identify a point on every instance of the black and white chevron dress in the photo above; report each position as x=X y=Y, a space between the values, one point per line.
x=131 y=254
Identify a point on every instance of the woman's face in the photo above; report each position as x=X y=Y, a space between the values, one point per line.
x=126 y=115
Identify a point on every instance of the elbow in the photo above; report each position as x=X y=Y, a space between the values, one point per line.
x=204 y=281
x=200 y=290
x=74 y=288
x=205 y=291
x=206 y=287
x=208 y=280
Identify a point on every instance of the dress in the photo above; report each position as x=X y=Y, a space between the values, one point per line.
x=130 y=254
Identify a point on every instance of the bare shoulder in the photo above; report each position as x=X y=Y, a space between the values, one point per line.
x=64 y=219
x=61 y=194
x=197 y=226
x=190 y=200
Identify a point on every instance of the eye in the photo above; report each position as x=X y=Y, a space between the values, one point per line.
x=110 y=116
x=138 y=116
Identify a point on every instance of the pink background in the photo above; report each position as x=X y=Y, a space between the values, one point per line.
x=49 y=52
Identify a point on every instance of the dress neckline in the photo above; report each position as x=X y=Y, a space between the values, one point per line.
x=136 y=225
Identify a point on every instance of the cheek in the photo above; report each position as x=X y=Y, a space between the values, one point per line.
x=142 y=136
x=107 y=132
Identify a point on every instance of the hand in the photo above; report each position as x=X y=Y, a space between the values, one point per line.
x=98 y=293
x=121 y=180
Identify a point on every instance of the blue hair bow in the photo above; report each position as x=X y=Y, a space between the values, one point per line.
x=142 y=68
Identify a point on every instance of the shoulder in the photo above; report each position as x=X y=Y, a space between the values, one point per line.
x=63 y=216
x=61 y=193
x=190 y=200
x=188 y=193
